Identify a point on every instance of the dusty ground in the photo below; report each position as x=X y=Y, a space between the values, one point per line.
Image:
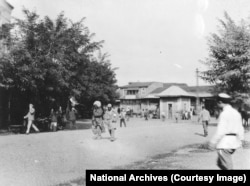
x=61 y=158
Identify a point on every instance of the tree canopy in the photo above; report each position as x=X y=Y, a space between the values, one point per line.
x=49 y=61
x=229 y=60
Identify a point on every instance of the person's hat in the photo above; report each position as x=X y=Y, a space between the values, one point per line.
x=225 y=98
x=109 y=105
x=97 y=103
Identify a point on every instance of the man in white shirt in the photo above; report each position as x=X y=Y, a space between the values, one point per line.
x=229 y=134
x=31 y=117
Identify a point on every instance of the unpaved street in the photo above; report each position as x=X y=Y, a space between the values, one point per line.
x=53 y=158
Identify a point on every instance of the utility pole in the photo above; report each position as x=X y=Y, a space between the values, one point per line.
x=197 y=92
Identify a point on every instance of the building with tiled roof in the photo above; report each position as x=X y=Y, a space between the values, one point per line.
x=140 y=96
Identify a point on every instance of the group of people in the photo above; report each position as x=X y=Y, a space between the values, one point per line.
x=104 y=117
x=57 y=119
x=228 y=137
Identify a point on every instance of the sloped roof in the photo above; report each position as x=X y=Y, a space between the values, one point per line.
x=166 y=86
x=174 y=91
x=209 y=89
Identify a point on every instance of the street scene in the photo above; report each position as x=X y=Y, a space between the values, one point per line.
x=122 y=85
x=61 y=158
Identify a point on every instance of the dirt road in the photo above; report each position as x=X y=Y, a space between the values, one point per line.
x=53 y=158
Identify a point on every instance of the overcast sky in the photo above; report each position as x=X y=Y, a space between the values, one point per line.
x=148 y=40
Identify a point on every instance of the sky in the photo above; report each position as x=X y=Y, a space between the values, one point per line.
x=147 y=40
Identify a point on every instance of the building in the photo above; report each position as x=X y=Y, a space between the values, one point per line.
x=181 y=99
x=132 y=95
x=5 y=12
x=166 y=97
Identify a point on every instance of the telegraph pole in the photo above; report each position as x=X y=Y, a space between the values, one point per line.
x=197 y=92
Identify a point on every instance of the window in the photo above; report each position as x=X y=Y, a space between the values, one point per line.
x=132 y=92
x=143 y=91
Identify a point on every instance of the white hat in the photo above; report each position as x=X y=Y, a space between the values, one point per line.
x=224 y=95
x=224 y=98
x=109 y=105
x=97 y=103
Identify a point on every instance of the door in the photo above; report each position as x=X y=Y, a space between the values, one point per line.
x=170 y=110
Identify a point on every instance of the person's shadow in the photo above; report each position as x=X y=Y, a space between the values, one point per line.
x=199 y=134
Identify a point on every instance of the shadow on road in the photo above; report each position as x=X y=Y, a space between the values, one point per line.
x=199 y=134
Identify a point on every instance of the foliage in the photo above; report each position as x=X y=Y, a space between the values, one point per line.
x=52 y=60
x=229 y=61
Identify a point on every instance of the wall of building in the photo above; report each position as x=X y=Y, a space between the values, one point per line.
x=171 y=105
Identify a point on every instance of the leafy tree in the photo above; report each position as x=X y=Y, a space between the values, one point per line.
x=229 y=60
x=49 y=61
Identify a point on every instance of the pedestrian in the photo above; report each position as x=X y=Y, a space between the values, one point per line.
x=31 y=117
x=108 y=120
x=191 y=114
x=72 y=118
x=60 y=118
x=97 y=120
x=122 y=116
x=128 y=113
x=53 y=118
x=204 y=118
x=146 y=114
x=176 y=116
x=229 y=134
x=163 y=116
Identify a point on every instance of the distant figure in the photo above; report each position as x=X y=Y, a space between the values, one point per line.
x=122 y=117
x=60 y=118
x=229 y=134
x=118 y=110
x=146 y=114
x=97 y=120
x=108 y=120
x=205 y=118
x=142 y=113
x=176 y=116
x=31 y=117
x=191 y=113
x=72 y=118
x=128 y=113
x=53 y=118
x=163 y=116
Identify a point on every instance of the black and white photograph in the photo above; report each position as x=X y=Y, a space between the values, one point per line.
x=123 y=85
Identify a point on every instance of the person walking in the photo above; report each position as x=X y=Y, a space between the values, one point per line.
x=72 y=118
x=31 y=117
x=205 y=118
x=229 y=134
x=60 y=118
x=109 y=121
x=163 y=116
x=53 y=118
x=97 y=120
x=122 y=116
x=146 y=114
